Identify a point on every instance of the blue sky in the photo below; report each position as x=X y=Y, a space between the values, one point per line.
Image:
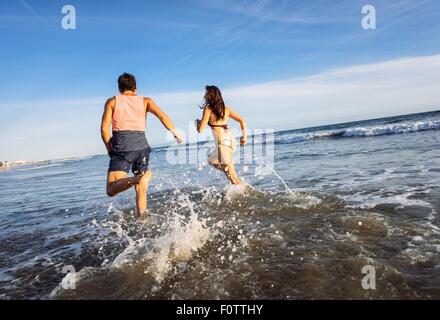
x=294 y=60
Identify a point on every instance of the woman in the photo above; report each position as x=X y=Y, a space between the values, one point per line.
x=216 y=115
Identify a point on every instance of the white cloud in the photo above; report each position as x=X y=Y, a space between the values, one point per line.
x=365 y=91
x=268 y=10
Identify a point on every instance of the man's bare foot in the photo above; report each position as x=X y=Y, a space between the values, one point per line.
x=143 y=214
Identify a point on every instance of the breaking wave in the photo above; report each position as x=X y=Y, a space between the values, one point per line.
x=367 y=131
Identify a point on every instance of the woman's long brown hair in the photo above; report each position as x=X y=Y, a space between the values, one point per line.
x=214 y=101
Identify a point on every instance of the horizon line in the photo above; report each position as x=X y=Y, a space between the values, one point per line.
x=160 y=146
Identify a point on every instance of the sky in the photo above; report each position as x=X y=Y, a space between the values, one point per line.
x=281 y=64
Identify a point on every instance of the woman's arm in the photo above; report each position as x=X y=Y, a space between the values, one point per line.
x=201 y=124
x=243 y=125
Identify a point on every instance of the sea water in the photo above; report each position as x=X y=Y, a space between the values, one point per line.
x=338 y=198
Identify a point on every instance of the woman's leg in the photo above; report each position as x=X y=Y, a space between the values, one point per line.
x=221 y=159
x=214 y=161
x=232 y=174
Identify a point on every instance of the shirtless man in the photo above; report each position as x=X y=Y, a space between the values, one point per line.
x=126 y=143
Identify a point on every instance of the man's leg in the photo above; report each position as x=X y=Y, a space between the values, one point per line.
x=141 y=194
x=118 y=182
x=140 y=167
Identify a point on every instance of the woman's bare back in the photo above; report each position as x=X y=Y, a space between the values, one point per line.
x=213 y=120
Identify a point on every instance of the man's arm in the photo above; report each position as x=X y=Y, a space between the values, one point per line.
x=243 y=126
x=106 y=123
x=163 y=117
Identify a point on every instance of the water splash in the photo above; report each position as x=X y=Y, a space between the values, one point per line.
x=164 y=241
x=279 y=177
x=305 y=200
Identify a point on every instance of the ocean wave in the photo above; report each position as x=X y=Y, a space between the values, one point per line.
x=39 y=164
x=40 y=167
x=368 y=131
x=393 y=129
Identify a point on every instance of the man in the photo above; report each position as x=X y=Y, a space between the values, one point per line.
x=4 y=166
x=128 y=147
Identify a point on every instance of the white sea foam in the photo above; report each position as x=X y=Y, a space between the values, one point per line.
x=177 y=244
x=236 y=191
x=393 y=129
x=175 y=240
x=40 y=167
x=368 y=131
x=301 y=137
x=401 y=201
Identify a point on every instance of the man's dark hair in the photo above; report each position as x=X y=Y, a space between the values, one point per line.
x=126 y=82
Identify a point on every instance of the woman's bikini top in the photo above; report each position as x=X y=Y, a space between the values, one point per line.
x=224 y=126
